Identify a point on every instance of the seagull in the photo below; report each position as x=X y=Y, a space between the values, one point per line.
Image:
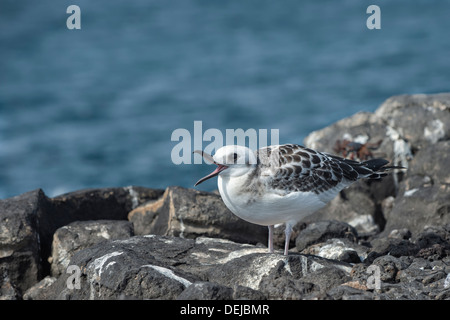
x=284 y=183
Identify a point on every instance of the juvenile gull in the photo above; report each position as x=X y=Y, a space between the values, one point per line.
x=284 y=183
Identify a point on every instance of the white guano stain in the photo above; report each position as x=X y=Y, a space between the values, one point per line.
x=240 y=253
x=169 y=274
x=99 y=262
x=134 y=197
x=97 y=267
x=409 y=193
x=333 y=250
x=434 y=131
x=447 y=281
x=264 y=265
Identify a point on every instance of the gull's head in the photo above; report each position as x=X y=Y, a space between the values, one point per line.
x=231 y=161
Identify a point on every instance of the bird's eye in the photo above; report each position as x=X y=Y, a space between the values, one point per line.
x=235 y=156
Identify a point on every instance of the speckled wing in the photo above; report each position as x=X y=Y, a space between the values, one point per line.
x=293 y=167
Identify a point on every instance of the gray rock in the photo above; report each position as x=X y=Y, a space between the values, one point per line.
x=402 y=278
x=350 y=256
x=246 y=293
x=161 y=267
x=433 y=277
x=392 y=246
x=288 y=289
x=136 y=268
x=434 y=243
x=203 y=290
x=327 y=278
x=432 y=235
x=422 y=119
x=37 y=292
x=90 y=204
x=301 y=277
x=82 y=234
x=347 y=292
x=28 y=222
x=321 y=231
x=8 y=291
x=190 y=213
x=361 y=126
x=339 y=249
x=403 y=233
x=414 y=130
x=389 y=266
x=423 y=196
x=20 y=252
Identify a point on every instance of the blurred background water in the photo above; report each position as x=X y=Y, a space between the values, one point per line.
x=96 y=107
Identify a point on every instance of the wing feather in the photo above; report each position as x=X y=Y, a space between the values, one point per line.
x=293 y=167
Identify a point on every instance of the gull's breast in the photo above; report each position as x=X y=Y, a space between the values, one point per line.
x=264 y=206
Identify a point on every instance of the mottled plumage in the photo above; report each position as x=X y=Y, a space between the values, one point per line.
x=292 y=167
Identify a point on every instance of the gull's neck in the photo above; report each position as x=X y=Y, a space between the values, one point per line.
x=243 y=183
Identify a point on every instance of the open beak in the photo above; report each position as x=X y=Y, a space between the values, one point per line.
x=219 y=169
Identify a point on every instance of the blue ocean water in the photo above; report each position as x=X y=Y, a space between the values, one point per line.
x=96 y=107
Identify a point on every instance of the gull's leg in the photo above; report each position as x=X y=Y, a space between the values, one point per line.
x=287 y=232
x=270 y=243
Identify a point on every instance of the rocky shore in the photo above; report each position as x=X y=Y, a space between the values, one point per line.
x=376 y=240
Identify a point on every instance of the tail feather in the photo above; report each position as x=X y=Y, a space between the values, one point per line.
x=379 y=168
x=375 y=164
x=371 y=169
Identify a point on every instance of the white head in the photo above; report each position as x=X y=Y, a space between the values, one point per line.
x=231 y=161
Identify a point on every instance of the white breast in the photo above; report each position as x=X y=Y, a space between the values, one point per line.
x=269 y=207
